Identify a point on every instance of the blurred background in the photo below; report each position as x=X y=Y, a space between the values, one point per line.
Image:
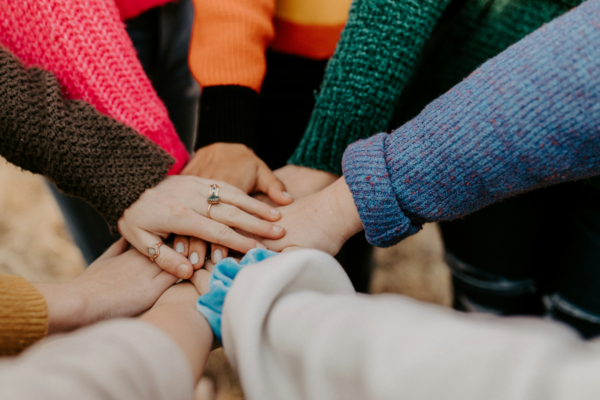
x=35 y=244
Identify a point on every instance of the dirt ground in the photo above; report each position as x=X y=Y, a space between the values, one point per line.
x=35 y=244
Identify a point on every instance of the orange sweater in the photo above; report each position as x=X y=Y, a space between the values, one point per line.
x=230 y=37
x=23 y=315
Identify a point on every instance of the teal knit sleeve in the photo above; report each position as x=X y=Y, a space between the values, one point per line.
x=374 y=58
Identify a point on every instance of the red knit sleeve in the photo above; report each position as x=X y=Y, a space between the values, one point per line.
x=229 y=41
x=84 y=43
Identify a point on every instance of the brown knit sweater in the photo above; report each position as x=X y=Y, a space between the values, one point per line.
x=85 y=153
x=23 y=315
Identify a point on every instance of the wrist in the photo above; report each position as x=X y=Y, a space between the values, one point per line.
x=66 y=307
x=344 y=209
x=180 y=320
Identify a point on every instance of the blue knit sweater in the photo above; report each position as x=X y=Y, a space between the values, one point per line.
x=528 y=118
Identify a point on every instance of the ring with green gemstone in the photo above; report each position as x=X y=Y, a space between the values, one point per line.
x=213 y=195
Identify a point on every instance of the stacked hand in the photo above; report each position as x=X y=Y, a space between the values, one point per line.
x=179 y=205
x=237 y=165
x=324 y=220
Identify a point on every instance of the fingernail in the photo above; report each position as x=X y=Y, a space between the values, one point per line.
x=179 y=247
x=194 y=258
x=274 y=211
x=287 y=194
x=261 y=246
x=217 y=256
x=182 y=271
x=277 y=229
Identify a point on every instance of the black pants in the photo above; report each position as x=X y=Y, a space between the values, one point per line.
x=534 y=254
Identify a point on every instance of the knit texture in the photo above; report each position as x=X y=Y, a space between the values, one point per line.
x=375 y=57
x=381 y=48
x=84 y=43
x=23 y=315
x=528 y=118
x=85 y=153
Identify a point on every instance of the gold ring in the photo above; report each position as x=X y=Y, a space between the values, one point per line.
x=213 y=194
x=154 y=251
x=208 y=211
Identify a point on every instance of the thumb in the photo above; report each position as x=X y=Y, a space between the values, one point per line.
x=268 y=183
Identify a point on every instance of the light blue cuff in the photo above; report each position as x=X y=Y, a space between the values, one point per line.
x=223 y=274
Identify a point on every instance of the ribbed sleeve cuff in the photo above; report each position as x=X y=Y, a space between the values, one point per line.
x=227 y=114
x=375 y=57
x=366 y=174
x=23 y=315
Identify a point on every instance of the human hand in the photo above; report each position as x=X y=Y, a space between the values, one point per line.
x=179 y=205
x=118 y=284
x=302 y=181
x=201 y=278
x=237 y=165
x=324 y=221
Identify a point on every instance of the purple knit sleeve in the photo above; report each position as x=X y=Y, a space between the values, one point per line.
x=528 y=118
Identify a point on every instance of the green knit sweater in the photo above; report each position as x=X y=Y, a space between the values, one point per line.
x=395 y=56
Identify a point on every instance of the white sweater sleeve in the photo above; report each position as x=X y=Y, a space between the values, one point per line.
x=293 y=328
x=116 y=360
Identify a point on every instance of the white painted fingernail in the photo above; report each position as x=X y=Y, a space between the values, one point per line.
x=277 y=229
x=217 y=256
x=194 y=258
x=179 y=247
x=182 y=271
x=274 y=211
x=261 y=246
x=287 y=194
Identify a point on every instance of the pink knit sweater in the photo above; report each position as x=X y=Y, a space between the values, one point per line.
x=84 y=43
x=133 y=8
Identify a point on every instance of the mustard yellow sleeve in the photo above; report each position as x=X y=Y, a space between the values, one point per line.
x=23 y=315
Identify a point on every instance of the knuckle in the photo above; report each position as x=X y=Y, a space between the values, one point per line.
x=232 y=213
x=178 y=210
x=167 y=262
x=221 y=230
x=233 y=194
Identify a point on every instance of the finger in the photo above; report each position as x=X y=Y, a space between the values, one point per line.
x=241 y=200
x=168 y=259
x=201 y=280
x=205 y=390
x=235 y=217
x=268 y=183
x=181 y=244
x=193 y=224
x=291 y=248
x=117 y=248
x=218 y=252
x=209 y=266
x=197 y=252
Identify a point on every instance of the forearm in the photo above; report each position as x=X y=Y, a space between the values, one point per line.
x=375 y=57
x=120 y=360
x=65 y=307
x=526 y=119
x=84 y=43
x=187 y=327
x=227 y=58
x=85 y=153
x=292 y=324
